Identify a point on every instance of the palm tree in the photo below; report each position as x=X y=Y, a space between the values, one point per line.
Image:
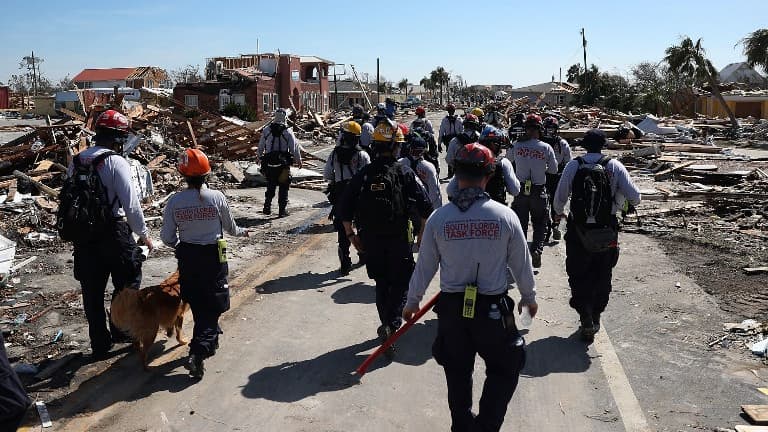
x=403 y=86
x=427 y=83
x=440 y=77
x=689 y=60
x=756 y=48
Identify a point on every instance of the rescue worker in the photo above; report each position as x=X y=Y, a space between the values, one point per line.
x=590 y=271
x=14 y=401
x=346 y=160
x=480 y=114
x=533 y=160
x=470 y=134
x=503 y=181
x=517 y=128
x=431 y=153
x=563 y=156
x=424 y=169
x=475 y=314
x=450 y=127
x=194 y=222
x=115 y=254
x=421 y=114
x=379 y=199
x=362 y=118
x=277 y=151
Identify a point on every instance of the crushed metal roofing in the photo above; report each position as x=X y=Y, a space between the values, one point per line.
x=114 y=74
x=548 y=87
x=313 y=59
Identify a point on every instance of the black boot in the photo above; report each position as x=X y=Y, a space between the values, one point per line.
x=195 y=366
x=587 y=329
x=283 y=212
x=267 y=207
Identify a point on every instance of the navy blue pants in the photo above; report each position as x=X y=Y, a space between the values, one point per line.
x=13 y=398
x=533 y=207
x=457 y=343
x=589 y=275
x=204 y=286
x=389 y=262
x=116 y=255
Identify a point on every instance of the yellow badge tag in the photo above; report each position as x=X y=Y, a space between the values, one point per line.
x=470 y=296
x=222 y=250
x=410 y=232
x=527 y=189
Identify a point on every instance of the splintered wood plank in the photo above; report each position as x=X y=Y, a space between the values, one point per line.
x=757 y=413
x=743 y=428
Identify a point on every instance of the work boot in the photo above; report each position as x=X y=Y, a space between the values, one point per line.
x=195 y=366
x=385 y=331
x=283 y=213
x=536 y=259
x=587 y=328
x=556 y=234
x=267 y=208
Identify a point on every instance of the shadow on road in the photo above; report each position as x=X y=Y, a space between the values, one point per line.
x=250 y=222
x=299 y=282
x=125 y=380
x=358 y=292
x=332 y=371
x=555 y=354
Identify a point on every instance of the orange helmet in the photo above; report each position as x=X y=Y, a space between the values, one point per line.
x=194 y=163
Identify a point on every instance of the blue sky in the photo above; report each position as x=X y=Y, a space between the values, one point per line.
x=486 y=42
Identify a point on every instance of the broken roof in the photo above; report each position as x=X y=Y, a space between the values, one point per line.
x=113 y=74
x=313 y=59
x=547 y=87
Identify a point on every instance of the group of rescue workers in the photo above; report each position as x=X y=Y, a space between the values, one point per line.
x=386 y=202
x=384 y=186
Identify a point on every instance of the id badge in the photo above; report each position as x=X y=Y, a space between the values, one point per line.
x=410 y=232
x=470 y=296
x=527 y=188
x=222 y=244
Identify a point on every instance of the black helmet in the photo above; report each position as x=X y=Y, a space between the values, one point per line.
x=357 y=111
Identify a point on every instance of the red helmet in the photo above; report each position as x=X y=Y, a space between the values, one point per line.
x=533 y=120
x=111 y=119
x=194 y=163
x=403 y=128
x=474 y=161
x=471 y=122
x=420 y=111
x=450 y=107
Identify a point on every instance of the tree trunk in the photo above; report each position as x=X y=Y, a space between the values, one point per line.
x=716 y=92
x=441 y=93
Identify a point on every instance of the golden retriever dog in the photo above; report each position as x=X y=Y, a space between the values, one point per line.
x=142 y=312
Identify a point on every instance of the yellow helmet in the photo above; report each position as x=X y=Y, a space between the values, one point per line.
x=384 y=132
x=478 y=112
x=352 y=127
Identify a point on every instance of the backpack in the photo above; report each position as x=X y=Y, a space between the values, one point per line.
x=381 y=207
x=592 y=200
x=497 y=187
x=84 y=208
x=275 y=161
x=464 y=139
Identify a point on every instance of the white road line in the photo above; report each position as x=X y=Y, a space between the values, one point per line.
x=629 y=407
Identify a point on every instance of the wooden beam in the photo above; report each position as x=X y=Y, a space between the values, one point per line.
x=192 y=134
x=667 y=173
x=43 y=188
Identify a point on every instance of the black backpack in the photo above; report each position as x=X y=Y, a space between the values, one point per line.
x=497 y=187
x=592 y=200
x=381 y=208
x=464 y=139
x=84 y=212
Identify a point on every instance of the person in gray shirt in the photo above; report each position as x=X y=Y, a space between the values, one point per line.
x=590 y=270
x=469 y=134
x=563 y=156
x=345 y=160
x=194 y=222
x=533 y=160
x=476 y=243
x=277 y=151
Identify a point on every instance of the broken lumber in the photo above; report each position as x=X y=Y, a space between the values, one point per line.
x=755 y=270
x=43 y=188
x=756 y=413
x=667 y=173
x=234 y=170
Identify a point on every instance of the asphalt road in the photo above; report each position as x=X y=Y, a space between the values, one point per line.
x=296 y=333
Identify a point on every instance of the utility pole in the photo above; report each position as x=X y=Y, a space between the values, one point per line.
x=336 y=86
x=584 y=45
x=378 y=84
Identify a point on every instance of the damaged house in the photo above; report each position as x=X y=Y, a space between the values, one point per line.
x=262 y=82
